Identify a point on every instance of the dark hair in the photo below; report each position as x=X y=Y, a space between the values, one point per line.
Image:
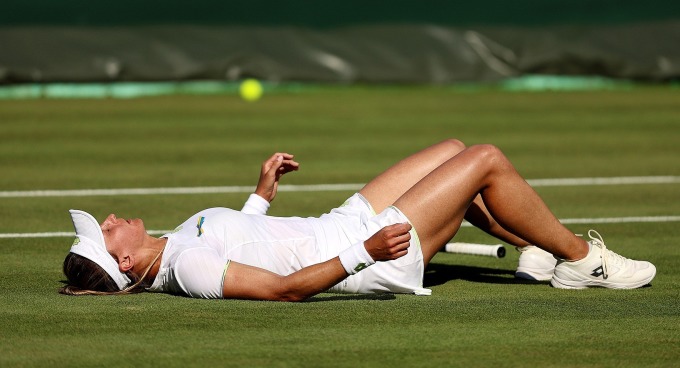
x=87 y=278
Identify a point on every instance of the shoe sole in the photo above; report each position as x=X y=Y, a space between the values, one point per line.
x=578 y=285
x=532 y=274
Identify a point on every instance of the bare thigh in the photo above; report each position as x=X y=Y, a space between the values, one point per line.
x=437 y=204
x=387 y=187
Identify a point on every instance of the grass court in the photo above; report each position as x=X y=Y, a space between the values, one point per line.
x=478 y=315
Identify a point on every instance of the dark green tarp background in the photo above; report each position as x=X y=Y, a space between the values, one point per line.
x=43 y=41
x=331 y=14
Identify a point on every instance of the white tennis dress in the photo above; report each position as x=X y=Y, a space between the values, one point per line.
x=198 y=251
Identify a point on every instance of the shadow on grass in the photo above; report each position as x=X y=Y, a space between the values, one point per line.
x=344 y=297
x=435 y=274
x=438 y=274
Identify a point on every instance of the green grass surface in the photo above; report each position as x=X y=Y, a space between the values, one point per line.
x=478 y=315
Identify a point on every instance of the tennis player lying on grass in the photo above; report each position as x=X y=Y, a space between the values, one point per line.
x=380 y=240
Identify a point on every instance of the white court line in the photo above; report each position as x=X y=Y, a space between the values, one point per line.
x=624 y=180
x=178 y=190
x=610 y=220
x=603 y=220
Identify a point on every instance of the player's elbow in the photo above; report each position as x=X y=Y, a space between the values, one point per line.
x=289 y=291
x=292 y=298
x=291 y=295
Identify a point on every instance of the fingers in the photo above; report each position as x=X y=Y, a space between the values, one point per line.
x=391 y=242
x=281 y=162
x=287 y=163
x=398 y=239
x=281 y=156
x=272 y=170
x=286 y=156
x=397 y=229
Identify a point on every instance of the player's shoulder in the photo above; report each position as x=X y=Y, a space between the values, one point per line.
x=192 y=255
x=199 y=271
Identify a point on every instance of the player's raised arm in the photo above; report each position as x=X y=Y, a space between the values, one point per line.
x=272 y=170
x=247 y=282
x=270 y=173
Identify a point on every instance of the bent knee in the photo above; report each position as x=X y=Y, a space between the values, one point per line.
x=488 y=153
x=453 y=146
x=486 y=149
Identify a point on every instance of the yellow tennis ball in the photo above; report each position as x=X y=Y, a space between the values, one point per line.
x=251 y=90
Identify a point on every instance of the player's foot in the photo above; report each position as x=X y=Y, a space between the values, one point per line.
x=602 y=268
x=535 y=264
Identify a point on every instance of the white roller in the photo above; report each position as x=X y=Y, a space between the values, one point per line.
x=488 y=250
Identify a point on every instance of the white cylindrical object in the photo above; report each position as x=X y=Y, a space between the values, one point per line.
x=496 y=250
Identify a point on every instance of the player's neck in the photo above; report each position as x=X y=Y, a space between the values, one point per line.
x=151 y=256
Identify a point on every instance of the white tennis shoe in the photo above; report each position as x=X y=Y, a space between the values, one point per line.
x=602 y=268
x=535 y=264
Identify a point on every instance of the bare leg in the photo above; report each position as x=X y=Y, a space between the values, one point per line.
x=387 y=187
x=437 y=204
x=479 y=216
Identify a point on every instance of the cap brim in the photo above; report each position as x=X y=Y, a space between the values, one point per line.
x=90 y=244
x=86 y=225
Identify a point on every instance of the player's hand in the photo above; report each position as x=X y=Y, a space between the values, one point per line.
x=390 y=242
x=272 y=170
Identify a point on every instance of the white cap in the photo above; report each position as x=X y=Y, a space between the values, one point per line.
x=89 y=243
